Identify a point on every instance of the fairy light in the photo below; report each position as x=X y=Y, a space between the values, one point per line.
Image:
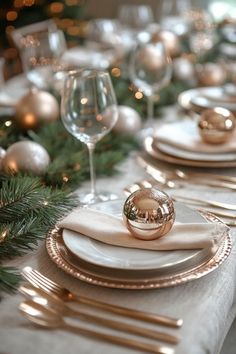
x=18 y=4
x=77 y=167
x=3 y=235
x=65 y=178
x=138 y=95
x=11 y=15
x=56 y=7
x=28 y=3
x=8 y=123
x=116 y=72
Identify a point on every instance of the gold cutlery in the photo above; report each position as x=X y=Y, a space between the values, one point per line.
x=172 y=178
x=40 y=281
x=58 y=305
x=48 y=318
x=211 y=203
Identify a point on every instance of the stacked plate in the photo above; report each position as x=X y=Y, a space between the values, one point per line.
x=117 y=267
x=180 y=143
x=201 y=98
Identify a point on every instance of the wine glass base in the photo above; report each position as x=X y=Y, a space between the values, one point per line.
x=90 y=198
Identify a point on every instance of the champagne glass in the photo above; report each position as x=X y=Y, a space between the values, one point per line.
x=150 y=70
x=89 y=111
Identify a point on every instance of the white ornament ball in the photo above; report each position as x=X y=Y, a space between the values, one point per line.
x=26 y=156
x=183 y=69
x=129 y=120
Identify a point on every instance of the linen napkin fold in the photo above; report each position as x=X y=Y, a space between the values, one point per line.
x=111 y=230
x=184 y=135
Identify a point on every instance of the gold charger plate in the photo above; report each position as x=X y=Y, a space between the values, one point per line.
x=153 y=151
x=101 y=276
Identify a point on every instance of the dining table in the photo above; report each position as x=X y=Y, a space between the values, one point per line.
x=207 y=305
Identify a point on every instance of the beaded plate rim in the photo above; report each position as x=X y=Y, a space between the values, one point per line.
x=60 y=256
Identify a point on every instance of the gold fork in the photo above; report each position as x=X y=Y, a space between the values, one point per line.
x=40 y=281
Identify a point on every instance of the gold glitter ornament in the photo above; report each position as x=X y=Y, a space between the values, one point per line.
x=148 y=213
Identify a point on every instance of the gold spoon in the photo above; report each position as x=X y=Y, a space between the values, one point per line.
x=48 y=318
x=54 y=303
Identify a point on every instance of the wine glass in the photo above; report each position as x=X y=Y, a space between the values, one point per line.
x=89 y=111
x=150 y=70
x=41 y=56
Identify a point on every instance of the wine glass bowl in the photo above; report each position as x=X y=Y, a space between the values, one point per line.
x=89 y=111
x=41 y=54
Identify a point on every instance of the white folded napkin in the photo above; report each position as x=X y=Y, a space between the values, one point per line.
x=111 y=230
x=184 y=135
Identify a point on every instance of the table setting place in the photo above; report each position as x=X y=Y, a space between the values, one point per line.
x=143 y=260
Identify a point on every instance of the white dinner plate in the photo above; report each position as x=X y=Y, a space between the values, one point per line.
x=182 y=139
x=104 y=255
x=197 y=156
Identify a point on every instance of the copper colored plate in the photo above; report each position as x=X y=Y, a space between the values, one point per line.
x=130 y=280
x=153 y=151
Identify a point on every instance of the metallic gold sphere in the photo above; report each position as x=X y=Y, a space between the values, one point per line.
x=36 y=108
x=171 y=42
x=216 y=125
x=148 y=213
x=210 y=74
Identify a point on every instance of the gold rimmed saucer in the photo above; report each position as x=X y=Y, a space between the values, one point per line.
x=102 y=276
x=151 y=148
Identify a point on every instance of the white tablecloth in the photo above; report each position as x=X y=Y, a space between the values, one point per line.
x=207 y=305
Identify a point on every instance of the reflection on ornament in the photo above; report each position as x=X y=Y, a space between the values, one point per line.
x=216 y=125
x=2 y=155
x=151 y=57
x=36 y=108
x=210 y=74
x=26 y=156
x=171 y=42
x=129 y=121
x=149 y=213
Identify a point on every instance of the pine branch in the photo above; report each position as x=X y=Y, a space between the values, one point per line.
x=9 y=279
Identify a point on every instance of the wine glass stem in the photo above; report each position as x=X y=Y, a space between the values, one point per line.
x=150 y=110
x=91 y=148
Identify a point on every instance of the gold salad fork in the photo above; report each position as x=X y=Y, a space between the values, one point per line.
x=40 y=281
x=45 y=317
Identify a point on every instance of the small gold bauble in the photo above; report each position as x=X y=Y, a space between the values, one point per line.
x=216 y=125
x=210 y=74
x=26 y=156
x=150 y=56
x=36 y=108
x=129 y=120
x=171 y=42
x=149 y=213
